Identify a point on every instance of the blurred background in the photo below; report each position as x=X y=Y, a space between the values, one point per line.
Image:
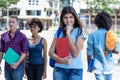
x=49 y=12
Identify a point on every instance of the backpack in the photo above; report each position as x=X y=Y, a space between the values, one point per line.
x=52 y=61
x=111 y=42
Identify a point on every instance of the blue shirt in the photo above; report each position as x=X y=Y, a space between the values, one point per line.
x=76 y=63
x=95 y=48
x=35 y=53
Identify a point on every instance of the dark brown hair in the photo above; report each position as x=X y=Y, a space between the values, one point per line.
x=36 y=22
x=71 y=10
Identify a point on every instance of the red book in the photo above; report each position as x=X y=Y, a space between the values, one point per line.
x=62 y=47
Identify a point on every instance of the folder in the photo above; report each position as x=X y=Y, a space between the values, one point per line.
x=90 y=65
x=11 y=56
x=62 y=47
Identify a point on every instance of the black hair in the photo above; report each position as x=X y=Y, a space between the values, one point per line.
x=71 y=10
x=103 y=20
x=36 y=22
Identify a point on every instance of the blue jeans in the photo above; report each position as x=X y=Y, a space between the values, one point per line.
x=103 y=76
x=67 y=74
x=14 y=74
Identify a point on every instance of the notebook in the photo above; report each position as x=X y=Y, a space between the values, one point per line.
x=11 y=56
x=62 y=47
x=90 y=65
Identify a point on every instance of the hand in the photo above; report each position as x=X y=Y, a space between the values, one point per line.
x=68 y=29
x=66 y=60
x=25 y=76
x=14 y=65
x=44 y=75
x=106 y=53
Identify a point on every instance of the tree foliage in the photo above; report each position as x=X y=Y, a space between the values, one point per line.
x=7 y=3
x=100 y=5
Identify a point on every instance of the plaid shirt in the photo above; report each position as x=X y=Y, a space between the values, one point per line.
x=18 y=43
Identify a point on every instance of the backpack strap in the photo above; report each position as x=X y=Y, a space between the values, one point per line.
x=105 y=48
x=59 y=32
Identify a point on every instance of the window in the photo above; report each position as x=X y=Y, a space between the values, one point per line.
x=12 y=12
x=33 y=2
x=33 y=12
x=38 y=12
x=5 y=13
x=36 y=2
x=50 y=3
x=29 y=2
x=49 y=12
x=63 y=3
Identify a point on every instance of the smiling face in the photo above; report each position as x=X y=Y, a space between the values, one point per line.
x=68 y=19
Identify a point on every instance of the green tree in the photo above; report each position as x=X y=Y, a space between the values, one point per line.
x=4 y=4
x=100 y=5
x=7 y=3
x=95 y=6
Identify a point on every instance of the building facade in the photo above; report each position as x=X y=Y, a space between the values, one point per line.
x=48 y=11
x=28 y=9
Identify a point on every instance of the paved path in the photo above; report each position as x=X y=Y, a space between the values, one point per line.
x=86 y=76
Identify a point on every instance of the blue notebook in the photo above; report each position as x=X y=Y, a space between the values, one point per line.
x=11 y=56
x=90 y=65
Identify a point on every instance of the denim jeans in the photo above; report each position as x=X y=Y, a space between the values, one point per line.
x=67 y=74
x=103 y=76
x=14 y=74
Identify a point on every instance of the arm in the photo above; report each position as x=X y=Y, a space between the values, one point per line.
x=117 y=48
x=22 y=57
x=90 y=51
x=90 y=62
x=25 y=62
x=45 y=58
x=24 y=50
x=52 y=54
x=88 y=58
x=75 y=48
x=1 y=55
